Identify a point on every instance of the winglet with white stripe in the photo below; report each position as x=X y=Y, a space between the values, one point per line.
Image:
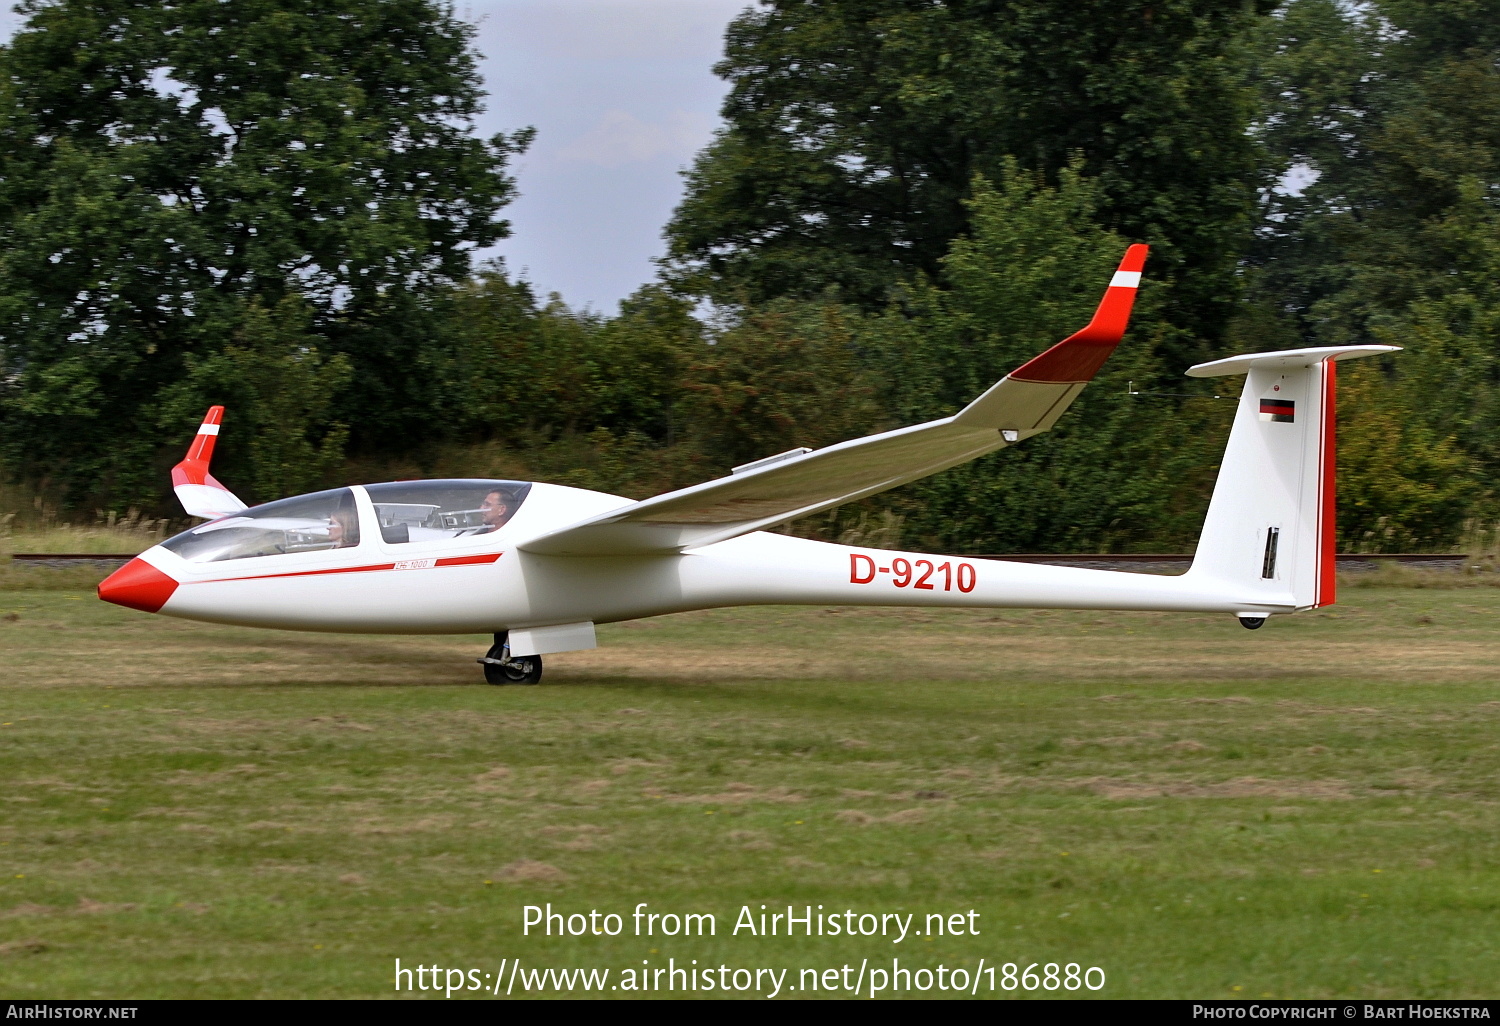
x=1030 y=398
x=1079 y=356
x=198 y=491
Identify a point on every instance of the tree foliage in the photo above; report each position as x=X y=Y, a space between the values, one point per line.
x=1119 y=471
x=527 y=367
x=783 y=375
x=165 y=168
x=271 y=204
x=282 y=389
x=1392 y=110
x=854 y=129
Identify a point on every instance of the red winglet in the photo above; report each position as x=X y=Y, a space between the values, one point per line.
x=208 y=433
x=201 y=494
x=194 y=466
x=1079 y=356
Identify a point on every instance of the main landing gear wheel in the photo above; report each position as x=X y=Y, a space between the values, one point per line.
x=1252 y=623
x=501 y=668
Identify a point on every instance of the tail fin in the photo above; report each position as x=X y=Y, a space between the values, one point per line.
x=198 y=491
x=1271 y=523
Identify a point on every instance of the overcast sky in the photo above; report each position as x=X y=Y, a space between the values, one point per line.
x=622 y=97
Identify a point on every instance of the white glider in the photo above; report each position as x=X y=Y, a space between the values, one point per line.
x=539 y=565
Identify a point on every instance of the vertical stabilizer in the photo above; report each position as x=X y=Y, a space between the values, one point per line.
x=1272 y=523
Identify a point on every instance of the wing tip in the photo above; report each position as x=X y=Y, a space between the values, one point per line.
x=1134 y=260
x=1077 y=358
x=191 y=479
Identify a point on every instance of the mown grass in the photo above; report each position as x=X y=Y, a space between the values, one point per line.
x=1304 y=811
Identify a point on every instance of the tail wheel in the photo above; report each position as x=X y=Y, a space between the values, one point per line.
x=501 y=668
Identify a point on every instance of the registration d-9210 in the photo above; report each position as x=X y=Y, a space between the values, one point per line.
x=919 y=575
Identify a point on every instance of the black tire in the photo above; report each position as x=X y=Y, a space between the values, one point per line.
x=525 y=670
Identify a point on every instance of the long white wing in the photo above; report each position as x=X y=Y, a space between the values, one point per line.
x=1023 y=403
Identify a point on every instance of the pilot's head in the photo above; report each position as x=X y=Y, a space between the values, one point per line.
x=343 y=528
x=495 y=510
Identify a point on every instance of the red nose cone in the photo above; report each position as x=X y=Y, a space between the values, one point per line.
x=138 y=585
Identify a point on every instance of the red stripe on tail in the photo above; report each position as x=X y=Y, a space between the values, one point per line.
x=1327 y=493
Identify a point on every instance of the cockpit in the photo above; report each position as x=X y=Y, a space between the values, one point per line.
x=410 y=511
x=399 y=513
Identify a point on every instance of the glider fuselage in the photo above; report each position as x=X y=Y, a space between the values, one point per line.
x=539 y=565
x=466 y=584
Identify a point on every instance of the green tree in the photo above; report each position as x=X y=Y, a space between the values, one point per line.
x=1400 y=488
x=855 y=128
x=281 y=389
x=574 y=397
x=530 y=369
x=784 y=375
x=1118 y=471
x=1389 y=114
x=167 y=168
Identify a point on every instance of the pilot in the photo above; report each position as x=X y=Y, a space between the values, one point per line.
x=343 y=528
x=495 y=511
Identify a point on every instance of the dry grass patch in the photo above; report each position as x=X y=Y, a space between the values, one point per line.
x=29 y=946
x=1244 y=787
x=902 y=817
x=530 y=871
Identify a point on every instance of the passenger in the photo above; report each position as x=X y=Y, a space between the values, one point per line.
x=343 y=528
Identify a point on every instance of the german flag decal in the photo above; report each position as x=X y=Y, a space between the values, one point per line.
x=1281 y=410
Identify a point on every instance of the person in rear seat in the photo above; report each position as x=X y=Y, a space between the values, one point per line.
x=495 y=511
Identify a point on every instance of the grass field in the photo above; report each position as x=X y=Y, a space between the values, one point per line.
x=1308 y=810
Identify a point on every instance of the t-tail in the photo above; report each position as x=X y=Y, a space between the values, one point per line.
x=1271 y=527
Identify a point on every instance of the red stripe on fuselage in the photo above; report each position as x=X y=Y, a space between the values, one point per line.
x=468 y=560
x=371 y=568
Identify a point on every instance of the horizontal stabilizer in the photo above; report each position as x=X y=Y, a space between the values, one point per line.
x=200 y=492
x=767 y=492
x=1284 y=359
